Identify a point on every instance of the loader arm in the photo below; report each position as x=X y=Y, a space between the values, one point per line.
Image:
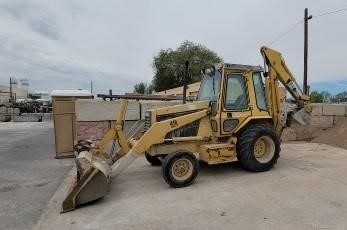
x=279 y=72
x=155 y=135
x=94 y=168
x=116 y=133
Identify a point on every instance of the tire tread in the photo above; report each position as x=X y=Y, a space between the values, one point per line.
x=245 y=147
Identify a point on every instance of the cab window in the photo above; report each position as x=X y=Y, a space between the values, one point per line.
x=209 y=87
x=259 y=91
x=236 y=94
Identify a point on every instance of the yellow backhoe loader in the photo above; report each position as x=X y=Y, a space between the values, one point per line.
x=238 y=116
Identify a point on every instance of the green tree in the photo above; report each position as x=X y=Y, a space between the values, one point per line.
x=33 y=96
x=316 y=97
x=140 y=88
x=143 y=88
x=149 y=89
x=340 y=97
x=326 y=96
x=169 y=65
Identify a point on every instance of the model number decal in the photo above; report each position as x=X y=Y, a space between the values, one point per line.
x=173 y=123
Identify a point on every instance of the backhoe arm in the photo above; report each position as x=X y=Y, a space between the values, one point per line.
x=279 y=72
x=278 y=67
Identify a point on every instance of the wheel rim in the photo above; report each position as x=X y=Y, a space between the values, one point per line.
x=182 y=169
x=264 y=149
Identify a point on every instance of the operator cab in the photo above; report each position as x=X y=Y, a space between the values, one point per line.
x=235 y=93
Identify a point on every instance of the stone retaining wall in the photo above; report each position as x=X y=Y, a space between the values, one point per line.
x=6 y=114
x=13 y=114
x=34 y=117
x=92 y=130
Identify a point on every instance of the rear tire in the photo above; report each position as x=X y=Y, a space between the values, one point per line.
x=180 y=169
x=258 y=148
x=153 y=160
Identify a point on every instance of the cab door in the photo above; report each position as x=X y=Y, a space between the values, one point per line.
x=236 y=101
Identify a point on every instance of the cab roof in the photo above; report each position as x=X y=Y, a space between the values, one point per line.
x=242 y=67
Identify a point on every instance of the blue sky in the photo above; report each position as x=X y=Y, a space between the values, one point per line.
x=332 y=87
x=65 y=44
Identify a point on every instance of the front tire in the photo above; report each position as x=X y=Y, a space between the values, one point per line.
x=153 y=160
x=258 y=148
x=180 y=169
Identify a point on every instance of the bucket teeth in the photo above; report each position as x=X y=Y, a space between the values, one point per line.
x=82 y=166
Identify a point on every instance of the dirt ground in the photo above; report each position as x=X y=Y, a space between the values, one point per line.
x=335 y=136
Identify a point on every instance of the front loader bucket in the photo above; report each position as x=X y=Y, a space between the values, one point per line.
x=96 y=167
x=90 y=183
x=302 y=117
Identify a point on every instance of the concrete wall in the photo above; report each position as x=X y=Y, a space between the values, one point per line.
x=323 y=116
x=6 y=114
x=98 y=110
x=32 y=117
x=95 y=117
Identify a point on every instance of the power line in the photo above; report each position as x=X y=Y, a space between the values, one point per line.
x=279 y=37
x=290 y=29
x=330 y=12
x=301 y=20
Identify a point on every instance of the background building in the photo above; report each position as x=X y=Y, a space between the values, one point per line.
x=16 y=92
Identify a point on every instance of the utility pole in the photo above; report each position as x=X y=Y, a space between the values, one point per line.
x=91 y=87
x=306 y=18
x=11 y=93
x=185 y=78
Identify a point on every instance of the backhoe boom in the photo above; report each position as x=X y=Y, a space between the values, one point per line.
x=279 y=72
